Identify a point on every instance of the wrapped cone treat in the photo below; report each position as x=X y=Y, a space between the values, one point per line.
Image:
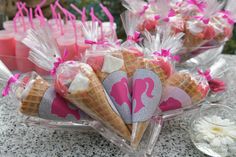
x=207 y=28
x=107 y=62
x=86 y=91
x=75 y=81
x=37 y=98
x=151 y=72
x=184 y=91
x=109 y=68
x=205 y=24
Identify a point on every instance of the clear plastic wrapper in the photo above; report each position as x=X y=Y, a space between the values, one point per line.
x=205 y=24
x=107 y=62
x=75 y=81
x=149 y=72
x=185 y=90
x=37 y=98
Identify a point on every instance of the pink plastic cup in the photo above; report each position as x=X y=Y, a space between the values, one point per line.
x=9 y=25
x=82 y=47
x=22 y=53
x=67 y=42
x=7 y=49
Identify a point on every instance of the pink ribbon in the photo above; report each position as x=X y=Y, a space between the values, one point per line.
x=104 y=43
x=200 y=5
x=203 y=19
x=217 y=85
x=166 y=19
x=58 y=62
x=227 y=16
x=144 y=10
x=205 y=74
x=11 y=80
x=136 y=37
x=166 y=53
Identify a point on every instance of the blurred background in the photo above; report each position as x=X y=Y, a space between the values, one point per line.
x=8 y=10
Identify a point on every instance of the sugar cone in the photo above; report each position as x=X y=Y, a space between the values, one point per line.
x=94 y=102
x=114 y=80
x=30 y=104
x=130 y=59
x=185 y=82
x=139 y=128
x=191 y=41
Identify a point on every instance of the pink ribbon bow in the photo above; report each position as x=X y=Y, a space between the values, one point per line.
x=227 y=16
x=11 y=80
x=166 y=19
x=136 y=37
x=205 y=74
x=216 y=85
x=200 y=5
x=96 y=42
x=203 y=19
x=166 y=53
x=145 y=7
x=58 y=62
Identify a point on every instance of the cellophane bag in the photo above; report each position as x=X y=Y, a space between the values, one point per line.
x=107 y=61
x=185 y=90
x=150 y=71
x=75 y=81
x=207 y=28
x=206 y=25
x=38 y=98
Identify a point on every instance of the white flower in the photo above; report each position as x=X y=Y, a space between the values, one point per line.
x=217 y=131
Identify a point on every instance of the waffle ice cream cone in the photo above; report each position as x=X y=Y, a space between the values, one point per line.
x=94 y=102
x=111 y=71
x=185 y=82
x=130 y=58
x=34 y=94
x=191 y=41
x=143 y=63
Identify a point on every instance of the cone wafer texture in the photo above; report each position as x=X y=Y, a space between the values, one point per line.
x=30 y=104
x=144 y=63
x=185 y=82
x=94 y=102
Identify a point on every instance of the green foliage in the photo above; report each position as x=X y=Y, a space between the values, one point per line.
x=230 y=47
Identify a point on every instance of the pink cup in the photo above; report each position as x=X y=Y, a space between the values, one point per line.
x=67 y=42
x=82 y=47
x=9 y=25
x=22 y=53
x=7 y=49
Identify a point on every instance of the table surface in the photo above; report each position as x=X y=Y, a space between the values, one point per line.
x=21 y=140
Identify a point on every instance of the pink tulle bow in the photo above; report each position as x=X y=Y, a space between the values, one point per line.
x=11 y=80
x=90 y=42
x=166 y=53
x=58 y=62
x=203 y=19
x=136 y=37
x=166 y=19
x=217 y=85
x=227 y=16
x=200 y=5
x=145 y=7
x=206 y=74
